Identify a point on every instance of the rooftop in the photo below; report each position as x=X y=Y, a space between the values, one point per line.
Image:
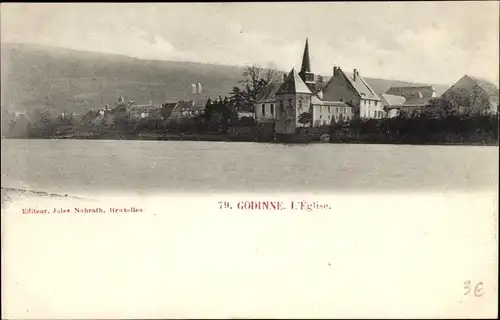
x=293 y=84
x=390 y=100
x=361 y=86
x=486 y=85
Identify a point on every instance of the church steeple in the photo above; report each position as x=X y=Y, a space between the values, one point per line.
x=305 y=71
x=306 y=62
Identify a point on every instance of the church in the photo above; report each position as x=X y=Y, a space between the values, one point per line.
x=302 y=99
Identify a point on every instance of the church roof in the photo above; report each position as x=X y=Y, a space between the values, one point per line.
x=268 y=92
x=293 y=84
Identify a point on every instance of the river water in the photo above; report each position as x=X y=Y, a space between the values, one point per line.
x=96 y=166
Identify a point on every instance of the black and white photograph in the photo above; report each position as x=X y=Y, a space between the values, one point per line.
x=250 y=159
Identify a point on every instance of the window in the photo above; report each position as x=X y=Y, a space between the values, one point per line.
x=341 y=99
x=300 y=104
x=282 y=106
x=272 y=108
x=263 y=109
x=329 y=109
x=320 y=116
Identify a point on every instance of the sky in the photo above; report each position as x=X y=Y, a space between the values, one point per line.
x=430 y=42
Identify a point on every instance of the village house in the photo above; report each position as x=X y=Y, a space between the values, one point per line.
x=142 y=111
x=185 y=109
x=392 y=104
x=297 y=102
x=326 y=112
x=472 y=94
x=353 y=90
x=415 y=99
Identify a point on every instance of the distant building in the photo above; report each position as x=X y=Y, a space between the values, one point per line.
x=472 y=94
x=194 y=107
x=196 y=88
x=150 y=111
x=392 y=104
x=416 y=98
x=185 y=109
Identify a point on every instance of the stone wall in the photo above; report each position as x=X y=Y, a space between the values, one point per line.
x=289 y=107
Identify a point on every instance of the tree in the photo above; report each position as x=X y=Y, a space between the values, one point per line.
x=305 y=118
x=255 y=79
x=43 y=123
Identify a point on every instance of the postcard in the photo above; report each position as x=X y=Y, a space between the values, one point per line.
x=250 y=160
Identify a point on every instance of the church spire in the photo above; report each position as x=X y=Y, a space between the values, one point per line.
x=306 y=62
x=305 y=71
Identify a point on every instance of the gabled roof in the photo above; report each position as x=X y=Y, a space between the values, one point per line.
x=412 y=91
x=320 y=85
x=143 y=108
x=417 y=101
x=390 y=100
x=361 y=86
x=268 y=93
x=486 y=85
x=293 y=84
x=191 y=104
x=336 y=104
x=316 y=101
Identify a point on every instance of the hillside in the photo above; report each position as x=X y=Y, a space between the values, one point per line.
x=61 y=79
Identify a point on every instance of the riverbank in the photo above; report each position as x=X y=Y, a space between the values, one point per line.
x=292 y=139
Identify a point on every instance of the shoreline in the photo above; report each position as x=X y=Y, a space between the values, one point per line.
x=296 y=139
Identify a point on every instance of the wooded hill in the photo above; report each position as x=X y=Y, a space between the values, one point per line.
x=68 y=80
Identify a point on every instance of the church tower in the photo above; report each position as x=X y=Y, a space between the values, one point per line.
x=305 y=71
x=293 y=98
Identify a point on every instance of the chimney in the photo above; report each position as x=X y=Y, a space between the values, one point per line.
x=354 y=74
x=193 y=88
x=320 y=94
x=198 y=88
